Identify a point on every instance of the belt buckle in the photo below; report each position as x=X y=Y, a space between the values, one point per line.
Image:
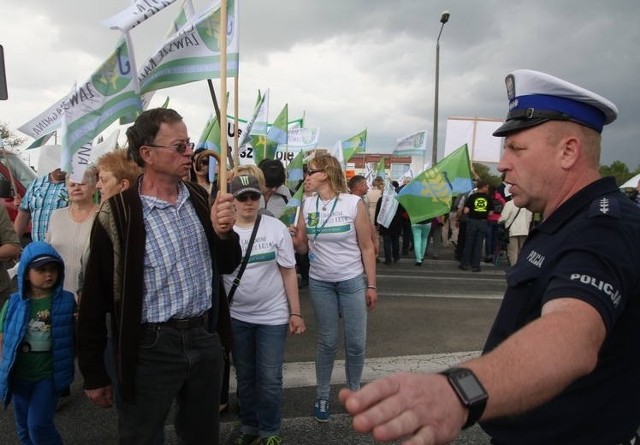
x=182 y=323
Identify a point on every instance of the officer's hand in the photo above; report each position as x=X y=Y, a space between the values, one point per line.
x=422 y=407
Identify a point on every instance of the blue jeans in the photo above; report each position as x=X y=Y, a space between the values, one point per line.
x=476 y=231
x=185 y=365
x=34 y=404
x=420 y=240
x=258 y=354
x=331 y=301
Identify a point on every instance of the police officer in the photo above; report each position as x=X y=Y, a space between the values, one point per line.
x=561 y=364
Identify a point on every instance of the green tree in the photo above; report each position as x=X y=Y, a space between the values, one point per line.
x=483 y=172
x=9 y=137
x=618 y=170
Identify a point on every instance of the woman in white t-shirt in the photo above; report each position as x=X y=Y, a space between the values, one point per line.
x=335 y=230
x=264 y=306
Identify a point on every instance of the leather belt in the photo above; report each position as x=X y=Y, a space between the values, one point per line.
x=181 y=323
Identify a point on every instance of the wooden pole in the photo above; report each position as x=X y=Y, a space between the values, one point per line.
x=236 y=151
x=222 y=181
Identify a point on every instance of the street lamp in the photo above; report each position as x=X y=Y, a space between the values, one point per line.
x=444 y=18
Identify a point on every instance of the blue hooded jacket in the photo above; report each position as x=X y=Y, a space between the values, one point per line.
x=17 y=319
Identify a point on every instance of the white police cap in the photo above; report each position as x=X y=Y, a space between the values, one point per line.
x=535 y=98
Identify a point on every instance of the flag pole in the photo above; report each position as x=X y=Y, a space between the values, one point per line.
x=222 y=182
x=236 y=152
x=212 y=91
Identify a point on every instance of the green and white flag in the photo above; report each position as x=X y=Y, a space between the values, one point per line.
x=413 y=145
x=93 y=105
x=193 y=53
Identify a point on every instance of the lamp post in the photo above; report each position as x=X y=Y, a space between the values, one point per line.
x=444 y=18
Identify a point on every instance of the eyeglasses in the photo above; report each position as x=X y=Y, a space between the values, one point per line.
x=248 y=196
x=180 y=147
x=313 y=171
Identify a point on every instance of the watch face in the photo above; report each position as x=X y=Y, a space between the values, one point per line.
x=469 y=385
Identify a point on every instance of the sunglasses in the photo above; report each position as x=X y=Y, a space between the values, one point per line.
x=180 y=147
x=248 y=196
x=313 y=171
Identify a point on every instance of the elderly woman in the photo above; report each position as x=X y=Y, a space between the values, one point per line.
x=335 y=230
x=264 y=305
x=70 y=227
x=115 y=173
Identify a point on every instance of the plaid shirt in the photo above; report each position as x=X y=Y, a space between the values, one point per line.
x=40 y=200
x=177 y=265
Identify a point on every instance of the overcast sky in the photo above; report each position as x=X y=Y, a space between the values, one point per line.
x=351 y=64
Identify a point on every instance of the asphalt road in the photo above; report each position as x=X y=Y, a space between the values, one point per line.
x=428 y=318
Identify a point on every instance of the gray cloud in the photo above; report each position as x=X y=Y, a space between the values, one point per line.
x=355 y=63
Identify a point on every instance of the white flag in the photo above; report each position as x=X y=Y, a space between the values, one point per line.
x=388 y=206
x=135 y=14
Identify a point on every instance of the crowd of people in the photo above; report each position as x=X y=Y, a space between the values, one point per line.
x=156 y=280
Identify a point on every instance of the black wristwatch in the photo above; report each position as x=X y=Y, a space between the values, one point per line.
x=470 y=392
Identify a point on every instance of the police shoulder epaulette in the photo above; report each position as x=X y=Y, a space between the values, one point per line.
x=605 y=206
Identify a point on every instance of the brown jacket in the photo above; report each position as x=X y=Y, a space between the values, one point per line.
x=114 y=284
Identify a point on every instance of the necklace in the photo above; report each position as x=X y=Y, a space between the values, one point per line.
x=326 y=203
x=319 y=230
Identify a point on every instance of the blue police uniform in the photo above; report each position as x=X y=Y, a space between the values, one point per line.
x=589 y=249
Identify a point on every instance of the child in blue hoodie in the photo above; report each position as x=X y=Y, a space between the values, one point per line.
x=36 y=344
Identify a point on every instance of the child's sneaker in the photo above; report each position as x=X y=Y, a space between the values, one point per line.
x=247 y=439
x=321 y=410
x=271 y=440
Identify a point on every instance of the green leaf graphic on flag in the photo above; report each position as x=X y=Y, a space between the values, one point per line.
x=209 y=29
x=114 y=74
x=108 y=95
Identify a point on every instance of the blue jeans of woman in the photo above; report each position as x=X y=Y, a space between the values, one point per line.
x=420 y=240
x=332 y=301
x=258 y=354
x=34 y=405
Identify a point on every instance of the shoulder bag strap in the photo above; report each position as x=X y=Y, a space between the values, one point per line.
x=245 y=260
x=514 y=218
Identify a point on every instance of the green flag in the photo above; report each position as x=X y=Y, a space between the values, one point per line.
x=380 y=170
x=210 y=137
x=289 y=213
x=355 y=144
x=429 y=194
x=294 y=170
x=277 y=134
